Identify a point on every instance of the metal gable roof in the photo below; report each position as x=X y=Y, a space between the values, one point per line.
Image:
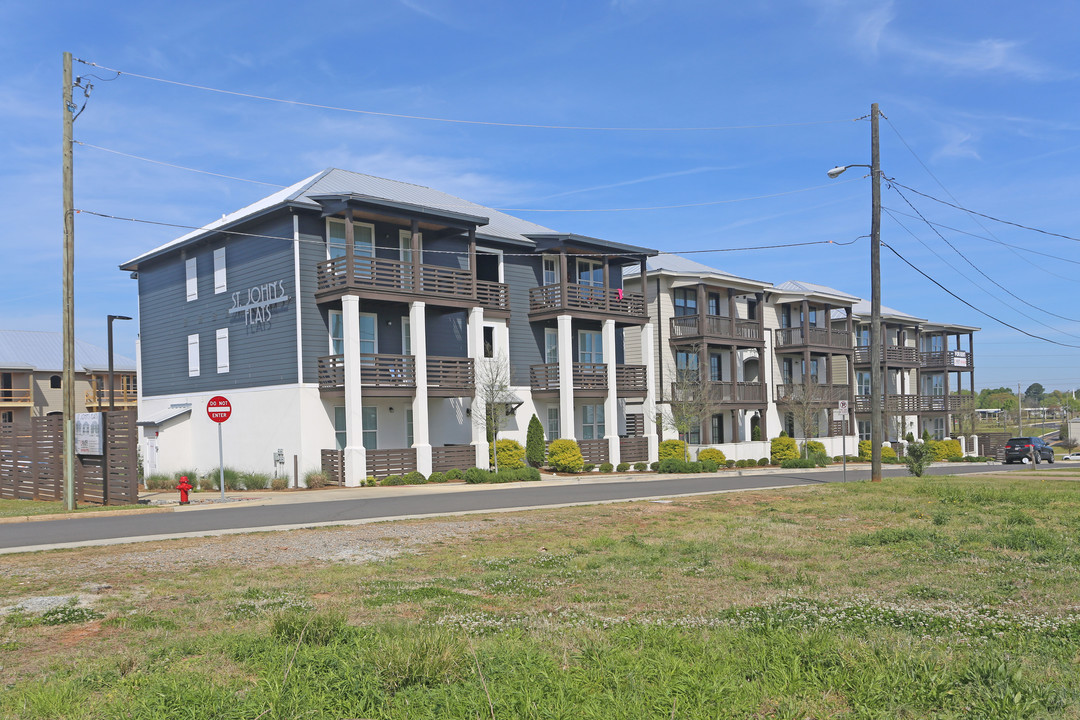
x=44 y=351
x=668 y=262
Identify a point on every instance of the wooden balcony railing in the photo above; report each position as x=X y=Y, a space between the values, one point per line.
x=376 y=370
x=728 y=393
x=590 y=376
x=122 y=397
x=544 y=378
x=960 y=359
x=829 y=394
x=815 y=337
x=629 y=379
x=448 y=373
x=383 y=275
x=16 y=397
x=893 y=355
x=716 y=326
x=913 y=404
x=586 y=298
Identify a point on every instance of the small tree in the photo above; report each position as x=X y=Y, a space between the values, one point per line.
x=917 y=457
x=1070 y=444
x=693 y=399
x=806 y=402
x=494 y=399
x=535 y=449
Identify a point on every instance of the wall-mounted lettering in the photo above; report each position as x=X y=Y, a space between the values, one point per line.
x=256 y=302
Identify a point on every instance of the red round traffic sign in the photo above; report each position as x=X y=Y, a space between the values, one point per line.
x=219 y=409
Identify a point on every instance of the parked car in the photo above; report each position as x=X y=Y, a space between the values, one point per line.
x=1071 y=456
x=1031 y=449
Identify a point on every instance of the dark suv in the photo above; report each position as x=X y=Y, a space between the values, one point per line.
x=1031 y=448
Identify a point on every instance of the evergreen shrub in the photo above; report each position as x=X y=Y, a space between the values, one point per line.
x=564 y=455
x=717 y=456
x=783 y=448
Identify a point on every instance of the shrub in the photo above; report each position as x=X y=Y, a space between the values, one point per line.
x=210 y=482
x=729 y=463
x=926 y=435
x=918 y=456
x=783 y=448
x=606 y=467
x=717 y=456
x=437 y=477
x=820 y=459
x=709 y=466
x=564 y=455
x=763 y=462
x=529 y=474
x=504 y=476
x=415 y=478
x=370 y=481
x=672 y=465
x=233 y=479
x=255 y=481
x=783 y=433
x=887 y=453
x=945 y=449
x=641 y=467
x=655 y=467
x=673 y=449
x=909 y=438
x=192 y=475
x=694 y=467
x=622 y=467
x=454 y=474
x=797 y=463
x=587 y=467
x=741 y=463
x=279 y=483
x=755 y=433
x=865 y=448
x=315 y=479
x=510 y=454
x=161 y=482
x=476 y=475
x=814 y=446
x=535 y=448
x=393 y=480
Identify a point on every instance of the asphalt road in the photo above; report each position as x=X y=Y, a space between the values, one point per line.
x=89 y=530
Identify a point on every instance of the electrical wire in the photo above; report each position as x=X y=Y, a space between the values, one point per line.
x=459 y=121
x=178 y=167
x=976 y=309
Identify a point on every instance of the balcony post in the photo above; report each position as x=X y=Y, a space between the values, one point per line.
x=414 y=253
x=649 y=407
x=607 y=283
x=350 y=254
x=644 y=287
x=418 y=337
x=476 y=352
x=564 y=281
x=472 y=259
x=829 y=386
x=762 y=423
x=702 y=308
x=732 y=312
x=355 y=455
x=948 y=403
x=611 y=401
x=566 y=376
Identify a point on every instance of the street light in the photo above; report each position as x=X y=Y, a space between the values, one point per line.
x=112 y=403
x=876 y=395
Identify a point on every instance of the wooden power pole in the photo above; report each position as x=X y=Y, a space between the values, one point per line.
x=68 y=378
x=876 y=390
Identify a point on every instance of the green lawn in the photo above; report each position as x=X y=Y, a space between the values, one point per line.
x=912 y=598
x=22 y=508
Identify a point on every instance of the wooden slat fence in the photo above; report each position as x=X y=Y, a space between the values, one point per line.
x=450 y=457
x=594 y=451
x=333 y=466
x=398 y=461
x=634 y=449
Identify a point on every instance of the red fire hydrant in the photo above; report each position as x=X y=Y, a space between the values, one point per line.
x=184 y=487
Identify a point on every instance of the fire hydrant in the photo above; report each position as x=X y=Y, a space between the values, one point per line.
x=184 y=487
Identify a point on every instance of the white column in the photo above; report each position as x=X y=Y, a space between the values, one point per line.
x=355 y=456
x=476 y=352
x=648 y=355
x=974 y=444
x=611 y=402
x=566 y=378
x=421 y=436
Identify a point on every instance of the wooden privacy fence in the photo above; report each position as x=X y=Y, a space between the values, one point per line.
x=634 y=449
x=450 y=457
x=32 y=462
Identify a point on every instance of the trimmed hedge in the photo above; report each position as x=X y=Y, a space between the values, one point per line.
x=437 y=477
x=622 y=467
x=511 y=455
x=606 y=467
x=814 y=446
x=565 y=456
x=454 y=474
x=415 y=478
x=717 y=456
x=783 y=448
x=798 y=463
x=641 y=467
x=673 y=449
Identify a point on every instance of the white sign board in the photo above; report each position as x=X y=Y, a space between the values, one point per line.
x=839 y=415
x=842 y=406
x=89 y=433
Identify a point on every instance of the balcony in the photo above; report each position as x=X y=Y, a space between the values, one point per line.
x=947 y=360
x=915 y=404
x=390 y=375
x=386 y=279
x=686 y=328
x=816 y=338
x=96 y=400
x=16 y=397
x=548 y=301
x=894 y=355
x=826 y=394
x=590 y=380
x=730 y=394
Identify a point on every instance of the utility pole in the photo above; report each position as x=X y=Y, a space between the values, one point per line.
x=68 y=378
x=1019 y=411
x=876 y=390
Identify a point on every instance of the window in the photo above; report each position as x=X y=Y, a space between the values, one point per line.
x=862 y=336
x=717 y=428
x=339 y=427
x=370 y=427
x=219 y=271
x=685 y=301
x=551 y=345
x=7 y=416
x=933 y=343
x=590 y=346
x=405 y=246
x=933 y=385
x=862 y=382
x=715 y=308
x=592 y=422
x=787 y=371
x=363 y=237
x=551 y=270
x=590 y=272
x=406 y=336
x=369 y=340
x=489 y=341
x=789 y=424
x=751 y=309
x=812 y=376
x=54 y=382
x=223 y=350
x=864 y=429
x=686 y=365
x=691 y=438
x=408 y=428
x=193 y=355
x=192 y=270
x=337 y=333
x=552 y=423
x=785 y=316
x=716 y=372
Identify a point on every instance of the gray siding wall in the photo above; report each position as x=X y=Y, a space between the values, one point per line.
x=315 y=336
x=526 y=339
x=259 y=353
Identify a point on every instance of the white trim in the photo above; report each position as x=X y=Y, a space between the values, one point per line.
x=191 y=271
x=548 y=333
x=193 y=355
x=494 y=251
x=330 y=314
x=220 y=281
x=405 y=245
x=186 y=396
x=222 y=347
x=544 y=259
x=356 y=224
x=296 y=284
x=374 y=324
x=406 y=335
x=580 y=345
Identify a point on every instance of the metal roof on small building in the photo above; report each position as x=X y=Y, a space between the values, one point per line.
x=39 y=351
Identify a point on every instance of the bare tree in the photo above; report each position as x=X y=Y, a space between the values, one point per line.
x=806 y=402
x=692 y=400
x=494 y=402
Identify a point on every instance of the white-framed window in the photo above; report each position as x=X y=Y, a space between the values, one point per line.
x=862 y=382
x=686 y=365
x=370 y=427
x=369 y=336
x=590 y=346
x=220 y=283
x=337 y=333
x=405 y=246
x=592 y=422
x=862 y=336
x=191 y=269
x=406 y=337
x=693 y=437
x=489 y=341
x=685 y=300
x=933 y=385
x=193 y=355
x=222 y=343
x=551 y=270
x=590 y=272
x=553 y=432
x=339 y=426
x=408 y=428
x=864 y=429
x=363 y=239
x=551 y=345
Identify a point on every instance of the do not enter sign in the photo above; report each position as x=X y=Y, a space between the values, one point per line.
x=219 y=409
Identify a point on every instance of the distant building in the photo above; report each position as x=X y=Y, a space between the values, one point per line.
x=31 y=375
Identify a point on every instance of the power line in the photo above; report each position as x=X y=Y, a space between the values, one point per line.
x=460 y=121
x=978 y=310
x=178 y=167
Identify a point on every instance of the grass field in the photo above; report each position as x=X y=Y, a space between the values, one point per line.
x=23 y=508
x=913 y=598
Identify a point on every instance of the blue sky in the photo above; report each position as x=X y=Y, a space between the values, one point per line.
x=981 y=99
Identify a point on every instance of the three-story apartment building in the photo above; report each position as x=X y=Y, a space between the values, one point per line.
x=344 y=317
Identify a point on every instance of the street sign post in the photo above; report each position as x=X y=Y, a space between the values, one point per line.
x=219 y=409
x=842 y=407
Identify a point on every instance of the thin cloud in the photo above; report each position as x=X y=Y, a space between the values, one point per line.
x=635 y=181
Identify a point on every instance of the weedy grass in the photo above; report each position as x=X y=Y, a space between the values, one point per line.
x=928 y=598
